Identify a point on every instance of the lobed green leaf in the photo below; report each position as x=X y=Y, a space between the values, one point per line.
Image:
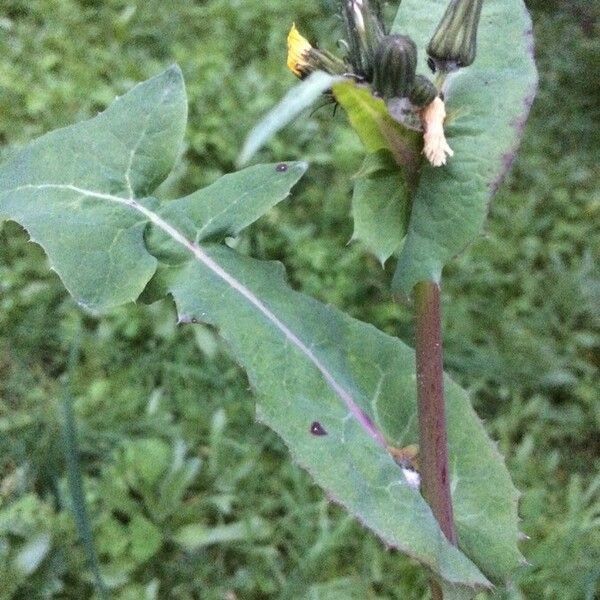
x=338 y=391
x=224 y=208
x=73 y=189
x=97 y=248
x=309 y=363
x=380 y=204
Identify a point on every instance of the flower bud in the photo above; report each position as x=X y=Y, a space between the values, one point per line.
x=364 y=30
x=454 y=43
x=394 y=66
x=423 y=92
x=303 y=59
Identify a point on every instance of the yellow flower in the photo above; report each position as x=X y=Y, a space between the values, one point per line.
x=298 y=53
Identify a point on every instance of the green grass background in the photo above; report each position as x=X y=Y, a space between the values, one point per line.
x=188 y=497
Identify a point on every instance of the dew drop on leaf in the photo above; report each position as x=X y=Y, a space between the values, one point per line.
x=281 y=168
x=317 y=429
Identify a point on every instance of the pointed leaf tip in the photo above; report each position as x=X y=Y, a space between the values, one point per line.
x=224 y=208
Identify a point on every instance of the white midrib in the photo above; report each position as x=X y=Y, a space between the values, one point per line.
x=247 y=294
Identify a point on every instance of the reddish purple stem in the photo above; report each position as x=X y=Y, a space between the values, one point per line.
x=433 y=439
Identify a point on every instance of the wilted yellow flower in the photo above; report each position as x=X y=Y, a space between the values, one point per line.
x=303 y=59
x=298 y=53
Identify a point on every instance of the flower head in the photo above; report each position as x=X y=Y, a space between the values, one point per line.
x=298 y=53
x=454 y=42
x=364 y=31
x=395 y=66
x=303 y=59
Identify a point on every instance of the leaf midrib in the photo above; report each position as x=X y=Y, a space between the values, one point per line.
x=202 y=257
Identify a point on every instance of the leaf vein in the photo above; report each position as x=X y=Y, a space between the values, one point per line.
x=201 y=256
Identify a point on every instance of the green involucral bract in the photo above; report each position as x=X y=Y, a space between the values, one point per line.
x=454 y=43
x=364 y=31
x=395 y=66
x=423 y=91
x=83 y=194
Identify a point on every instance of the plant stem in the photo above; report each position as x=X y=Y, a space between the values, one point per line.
x=436 y=590
x=433 y=439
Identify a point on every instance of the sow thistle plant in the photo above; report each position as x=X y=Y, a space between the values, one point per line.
x=343 y=396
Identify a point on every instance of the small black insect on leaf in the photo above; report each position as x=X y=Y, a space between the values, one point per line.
x=281 y=168
x=317 y=429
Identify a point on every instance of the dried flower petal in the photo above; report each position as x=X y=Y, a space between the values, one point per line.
x=435 y=148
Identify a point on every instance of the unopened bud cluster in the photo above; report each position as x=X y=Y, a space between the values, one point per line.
x=388 y=62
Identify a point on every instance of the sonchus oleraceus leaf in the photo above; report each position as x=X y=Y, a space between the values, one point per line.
x=338 y=391
x=95 y=246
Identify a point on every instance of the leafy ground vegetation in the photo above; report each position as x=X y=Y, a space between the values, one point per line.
x=188 y=497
